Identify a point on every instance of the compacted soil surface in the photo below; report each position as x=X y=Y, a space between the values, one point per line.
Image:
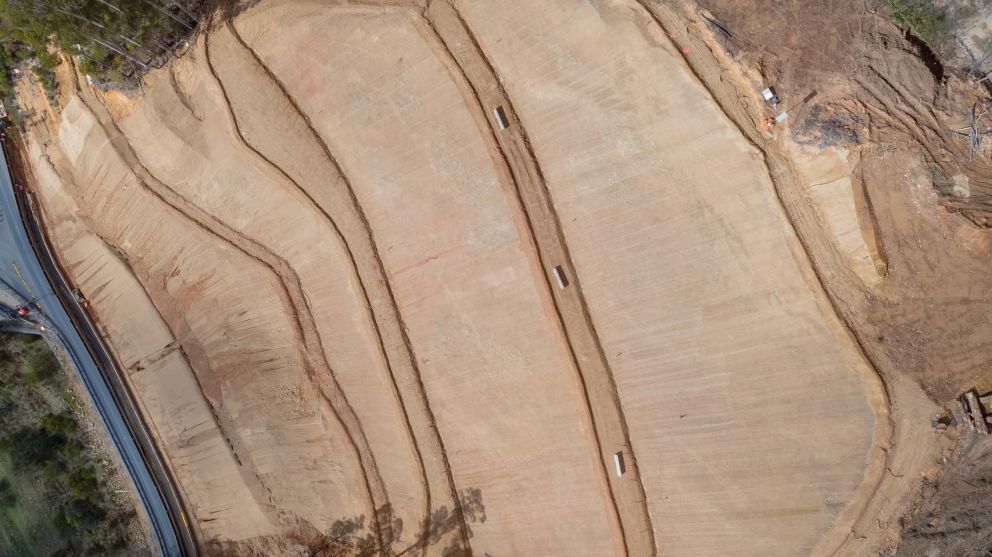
x=463 y=277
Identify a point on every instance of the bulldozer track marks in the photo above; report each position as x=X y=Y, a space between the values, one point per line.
x=534 y=200
x=386 y=315
x=354 y=269
x=292 y=294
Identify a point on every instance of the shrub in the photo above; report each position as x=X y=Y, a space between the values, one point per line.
x=927 y=21
x=62 y=423
x=7 y=496
x=42 y=366
x=33 y=446
x=121 y=35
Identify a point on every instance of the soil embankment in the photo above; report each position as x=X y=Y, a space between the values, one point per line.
x=889 y=114
x=362 y=307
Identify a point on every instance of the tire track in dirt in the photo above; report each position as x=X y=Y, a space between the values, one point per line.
x=515 y=151
x=292 y=293
x=183 y=97
x=895 y=443
x=253 y=482
x=114 y=251
x=425 y=530
x=386 y=312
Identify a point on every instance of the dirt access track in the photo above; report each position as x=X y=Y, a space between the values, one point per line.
x=418 y=277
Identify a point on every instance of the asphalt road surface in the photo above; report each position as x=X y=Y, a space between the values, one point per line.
x=29 y=269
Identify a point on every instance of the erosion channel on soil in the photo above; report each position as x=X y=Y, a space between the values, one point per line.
x=357 y=301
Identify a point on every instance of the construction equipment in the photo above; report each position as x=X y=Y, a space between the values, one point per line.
x=770 y=96
x=771 y=122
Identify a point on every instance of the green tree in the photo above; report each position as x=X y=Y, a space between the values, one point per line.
x=42 y=366
x=125 y=35
x=62 y=423
x=33 y=446
x=7 y=496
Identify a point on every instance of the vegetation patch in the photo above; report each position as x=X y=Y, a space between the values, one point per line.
x=55 y=497
x=115 y=41
x=927 y=20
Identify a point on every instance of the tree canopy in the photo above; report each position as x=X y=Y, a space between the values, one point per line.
x=113 y=39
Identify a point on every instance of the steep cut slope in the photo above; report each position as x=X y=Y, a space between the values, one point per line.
x=715 y=330
x=470 y=278
x=460 y=264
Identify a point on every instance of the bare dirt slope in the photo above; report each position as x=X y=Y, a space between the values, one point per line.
x=327 y=265
x=885 y=105
x=888 y=108
x=465 y=281
x=703 y=358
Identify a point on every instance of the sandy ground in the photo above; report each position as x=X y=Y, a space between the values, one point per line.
x=270 y=210
x=208 y=447
x=706 y=352
x=469 y=291
x=926 y=322
x=888 y=113
x=329 y=270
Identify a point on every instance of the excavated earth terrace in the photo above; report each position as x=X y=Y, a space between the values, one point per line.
x=489 y=278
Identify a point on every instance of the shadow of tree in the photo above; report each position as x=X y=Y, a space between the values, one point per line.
x=356 y=536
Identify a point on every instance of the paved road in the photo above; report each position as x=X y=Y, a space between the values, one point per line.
x=36 y=276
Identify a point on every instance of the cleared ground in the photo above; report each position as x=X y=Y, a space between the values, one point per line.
x=716 y=333
x=243 y=377
x=328 y=268
x=470 y=293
